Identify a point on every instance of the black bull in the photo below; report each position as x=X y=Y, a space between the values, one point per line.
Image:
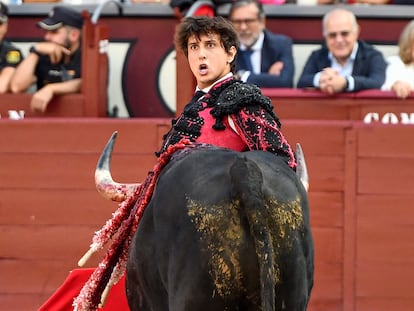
x=223 y=231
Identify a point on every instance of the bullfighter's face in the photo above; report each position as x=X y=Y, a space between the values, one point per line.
x=208 y=59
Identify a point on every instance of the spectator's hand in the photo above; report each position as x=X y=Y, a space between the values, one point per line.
x=325 y=80
x=402 y=89
x=55 y=51
x=331 y=82
x=276 y=68
x=41 y=99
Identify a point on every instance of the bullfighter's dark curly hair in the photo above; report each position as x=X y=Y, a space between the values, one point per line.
x=204 y=25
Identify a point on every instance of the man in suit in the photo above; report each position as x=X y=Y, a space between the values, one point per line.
x=265 y=59
x=343 y=63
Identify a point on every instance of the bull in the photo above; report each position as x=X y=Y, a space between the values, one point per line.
x=223 y=230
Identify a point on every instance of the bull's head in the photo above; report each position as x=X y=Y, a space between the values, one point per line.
x=118 y=192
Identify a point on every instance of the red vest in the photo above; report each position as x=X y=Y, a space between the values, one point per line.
x=227 y=138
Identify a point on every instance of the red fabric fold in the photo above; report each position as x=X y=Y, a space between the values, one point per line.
x=62 y=299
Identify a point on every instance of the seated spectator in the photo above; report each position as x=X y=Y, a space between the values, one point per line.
x=343 y=63
x=10 y=56
x=54 y=64
x=400 y=70
x=265 y=58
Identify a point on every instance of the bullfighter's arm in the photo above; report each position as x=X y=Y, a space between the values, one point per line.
x=260 y=131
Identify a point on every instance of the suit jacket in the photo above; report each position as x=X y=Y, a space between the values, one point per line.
x=368 y=71
x=275 y=48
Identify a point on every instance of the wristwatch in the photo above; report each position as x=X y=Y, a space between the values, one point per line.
x=346 y=84
x=34 y=51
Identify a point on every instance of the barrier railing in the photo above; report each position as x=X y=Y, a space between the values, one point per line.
x=369 y=106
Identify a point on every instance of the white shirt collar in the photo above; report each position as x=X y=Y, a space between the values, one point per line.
x=207 y=89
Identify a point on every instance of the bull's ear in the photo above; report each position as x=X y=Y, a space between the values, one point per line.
x=302 y=170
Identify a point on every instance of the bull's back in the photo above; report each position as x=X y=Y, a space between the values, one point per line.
x=194 y=247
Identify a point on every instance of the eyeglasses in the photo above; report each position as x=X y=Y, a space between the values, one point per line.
x=333 y=35
x=247 y=21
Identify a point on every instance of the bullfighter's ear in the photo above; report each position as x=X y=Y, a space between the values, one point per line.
x=301 y=170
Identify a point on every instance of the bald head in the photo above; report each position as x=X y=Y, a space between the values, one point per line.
x=341 y=32
x=337 y=16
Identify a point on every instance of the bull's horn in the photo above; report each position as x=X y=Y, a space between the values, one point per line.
x=105 y=185
x=301 y=169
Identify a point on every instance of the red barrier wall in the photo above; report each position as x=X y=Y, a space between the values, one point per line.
x=360 y=198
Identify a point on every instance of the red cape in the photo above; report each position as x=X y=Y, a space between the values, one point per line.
x=62 y=299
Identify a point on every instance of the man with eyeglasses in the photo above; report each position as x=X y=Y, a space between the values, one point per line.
x=55 y=63
x=265 y=58
x=343 y=63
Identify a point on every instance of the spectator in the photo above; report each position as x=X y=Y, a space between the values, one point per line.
x=10 y=56
x=265 y=58
x=400 y=69
x=343 y=63
x=55 y=64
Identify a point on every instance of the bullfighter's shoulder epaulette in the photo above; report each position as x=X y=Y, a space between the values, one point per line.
x=232 y=96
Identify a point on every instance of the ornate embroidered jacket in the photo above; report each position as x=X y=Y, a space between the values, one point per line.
x=233 y=115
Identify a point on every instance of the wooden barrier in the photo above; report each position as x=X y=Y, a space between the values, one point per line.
x=360 y=198
x=92 y=100
x=370 y=106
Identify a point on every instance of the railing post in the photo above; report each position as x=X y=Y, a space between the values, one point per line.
x=95 y=42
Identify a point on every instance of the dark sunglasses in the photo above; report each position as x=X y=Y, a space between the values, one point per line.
x=333 y=35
